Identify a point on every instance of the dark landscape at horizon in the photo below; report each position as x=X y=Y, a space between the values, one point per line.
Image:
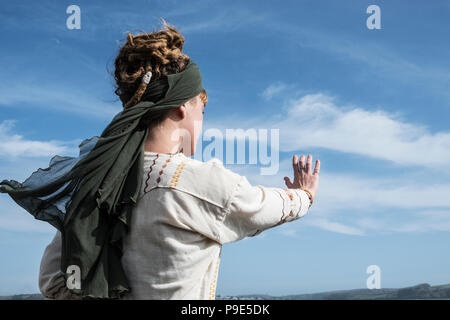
x=420 y=291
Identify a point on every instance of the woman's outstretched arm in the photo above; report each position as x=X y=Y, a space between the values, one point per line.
x=253 y=209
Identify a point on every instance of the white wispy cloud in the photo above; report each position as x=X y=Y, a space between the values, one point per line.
x=376 y=134
x=326 y=224
x=273 y=89
x=317 y=121
x=57 y=97
x=14 y=145
x=227 y=19
x=426 y=220
x=289 y=232
x=20 y=157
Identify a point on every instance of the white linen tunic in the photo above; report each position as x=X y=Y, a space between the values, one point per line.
x=186 y=211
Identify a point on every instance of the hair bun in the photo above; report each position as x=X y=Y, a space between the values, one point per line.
x=159 y=52
x=130 y=39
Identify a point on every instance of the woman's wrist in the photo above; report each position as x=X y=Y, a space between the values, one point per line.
x=311 y=198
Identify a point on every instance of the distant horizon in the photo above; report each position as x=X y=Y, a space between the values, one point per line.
x=264 y=294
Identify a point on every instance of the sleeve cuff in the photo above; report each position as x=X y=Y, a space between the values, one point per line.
x=304 y=202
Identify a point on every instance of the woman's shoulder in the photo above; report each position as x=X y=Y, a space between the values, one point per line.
x=207 y=180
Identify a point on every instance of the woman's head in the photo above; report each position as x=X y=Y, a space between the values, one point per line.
x=161 y=53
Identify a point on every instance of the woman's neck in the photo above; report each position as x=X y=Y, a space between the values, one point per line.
x=159 y=142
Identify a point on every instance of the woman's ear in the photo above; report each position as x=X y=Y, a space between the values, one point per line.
x=182 y=111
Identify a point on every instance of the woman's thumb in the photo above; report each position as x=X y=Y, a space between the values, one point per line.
x=288 y=182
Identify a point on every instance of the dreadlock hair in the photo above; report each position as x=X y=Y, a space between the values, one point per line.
x=158 y=52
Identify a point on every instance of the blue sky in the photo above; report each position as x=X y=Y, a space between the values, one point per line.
x=372 y=105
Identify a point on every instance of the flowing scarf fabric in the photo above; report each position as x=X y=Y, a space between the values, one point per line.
x=90 y=199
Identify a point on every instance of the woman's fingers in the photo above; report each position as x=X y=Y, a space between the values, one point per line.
x=295 y=166
x=302 y=162
x=303 y=177
x=308 y=164
x=317 y=168
x=288 y=182
x=294 y=160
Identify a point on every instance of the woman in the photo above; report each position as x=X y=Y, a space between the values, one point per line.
x=166 y=242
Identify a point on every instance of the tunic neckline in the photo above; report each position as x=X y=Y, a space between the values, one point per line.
x=151 y=154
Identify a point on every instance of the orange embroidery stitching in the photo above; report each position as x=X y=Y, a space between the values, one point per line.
x=283 y=219
x=292 y=203
x=176 y=175
x=289 y=193
x=212 y=287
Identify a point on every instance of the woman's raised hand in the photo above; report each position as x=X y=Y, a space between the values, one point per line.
x=304 y=177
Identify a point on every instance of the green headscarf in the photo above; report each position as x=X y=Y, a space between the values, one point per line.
x=90 y=199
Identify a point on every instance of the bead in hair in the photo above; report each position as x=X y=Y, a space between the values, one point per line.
x=146 y=78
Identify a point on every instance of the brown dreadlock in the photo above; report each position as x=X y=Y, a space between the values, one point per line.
x=158 y=52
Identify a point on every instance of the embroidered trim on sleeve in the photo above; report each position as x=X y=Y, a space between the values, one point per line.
x=292 y=203
x=282 y=210
x=289 y=197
